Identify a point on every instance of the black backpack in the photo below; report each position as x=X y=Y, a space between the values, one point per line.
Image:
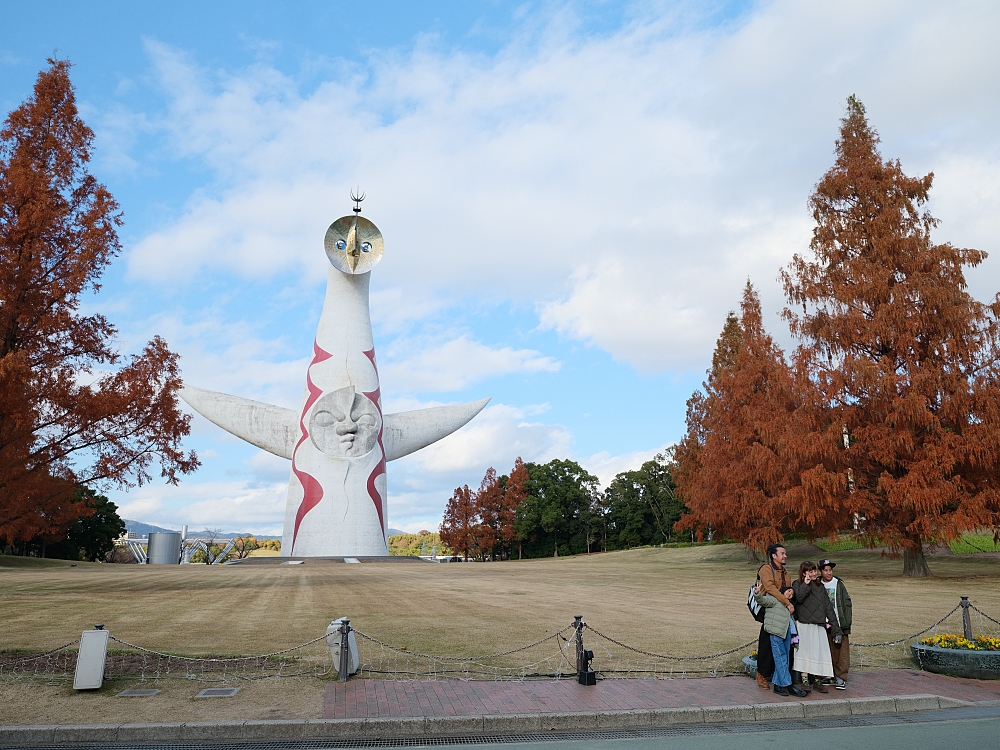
x=755 y=608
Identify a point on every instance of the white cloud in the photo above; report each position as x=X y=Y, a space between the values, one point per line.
x=270 y=468
x=396 y=309
x=417 y=365
x=229 y=506
x=498 y=435
x=255 y=507
x=421 y=483
x=624 y=186
x=606 y=467
x=629 y=184
x=141 y=509
x=231 y=355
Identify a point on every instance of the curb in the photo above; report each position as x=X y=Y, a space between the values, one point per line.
x=431 y=726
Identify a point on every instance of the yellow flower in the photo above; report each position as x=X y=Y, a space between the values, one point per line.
x=947 y=640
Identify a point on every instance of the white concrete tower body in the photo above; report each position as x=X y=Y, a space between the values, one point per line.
x=339 y=441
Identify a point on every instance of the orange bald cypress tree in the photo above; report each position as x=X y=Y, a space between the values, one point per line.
x=458 y=527
x=514 y=494
x=736 y=463
x=489 y=508
x=61 y=423
x=687 y=457
x=902 y=359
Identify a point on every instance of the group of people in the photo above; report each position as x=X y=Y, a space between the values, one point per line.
x=806 y=629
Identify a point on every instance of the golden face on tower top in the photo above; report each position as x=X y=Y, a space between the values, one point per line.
x=353 y=244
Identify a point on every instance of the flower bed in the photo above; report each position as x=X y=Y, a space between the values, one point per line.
x=947 y=640
x=957 y=656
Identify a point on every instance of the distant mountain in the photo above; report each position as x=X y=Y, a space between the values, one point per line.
x=143 y=529
x=395 y=532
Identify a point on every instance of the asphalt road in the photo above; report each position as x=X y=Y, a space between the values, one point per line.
x=952 y=729
x=956 y=729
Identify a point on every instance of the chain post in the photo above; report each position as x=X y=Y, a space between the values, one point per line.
x=578 y=626
x=584 y=674
x=345 y=656
x=966 y=619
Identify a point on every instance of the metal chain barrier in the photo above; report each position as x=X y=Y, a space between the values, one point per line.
x=983 y=614
x=552 y=656
x=631 y=661
x=896 y=654
x=132 y=646
x=486 y=657
x=132 y=661
x=309 y=658
x=45 y=665
x=550 y=659
x=910 y=637
x=667 y=657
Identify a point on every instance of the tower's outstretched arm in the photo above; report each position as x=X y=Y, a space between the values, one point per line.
x=409 y=431
x=276 y=429
x=273 y=428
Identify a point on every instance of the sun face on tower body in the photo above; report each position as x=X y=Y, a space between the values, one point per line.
x=353 y=244
x=344 y=424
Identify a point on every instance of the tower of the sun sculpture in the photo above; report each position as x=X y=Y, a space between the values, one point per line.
x=339 y=441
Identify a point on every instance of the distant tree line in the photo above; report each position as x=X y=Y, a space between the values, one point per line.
x=89 y=537
x=558 y=508
x=422 y=543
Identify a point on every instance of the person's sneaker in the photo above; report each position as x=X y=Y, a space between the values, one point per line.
x=797 y=691
x=820 y=687
x=839 y=684
x=762 y=682
x=781 y=691
x=828 y=680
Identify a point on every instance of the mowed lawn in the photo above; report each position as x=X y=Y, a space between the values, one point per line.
x=678 y=601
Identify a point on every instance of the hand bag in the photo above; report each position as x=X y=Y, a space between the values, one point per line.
x=755 y=608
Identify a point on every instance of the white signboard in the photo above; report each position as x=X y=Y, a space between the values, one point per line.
x=90 y=661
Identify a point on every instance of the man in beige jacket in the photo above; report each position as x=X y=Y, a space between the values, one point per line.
x=774 y=580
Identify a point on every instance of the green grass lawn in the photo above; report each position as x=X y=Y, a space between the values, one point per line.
x=968 y=544
x=972 y=544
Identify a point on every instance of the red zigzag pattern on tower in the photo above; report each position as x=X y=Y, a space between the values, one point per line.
x=312 y=490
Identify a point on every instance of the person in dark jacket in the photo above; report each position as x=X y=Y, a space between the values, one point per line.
x=840 y=653
x=815 y=614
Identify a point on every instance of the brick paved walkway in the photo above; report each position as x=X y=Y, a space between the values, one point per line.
x=398 y=699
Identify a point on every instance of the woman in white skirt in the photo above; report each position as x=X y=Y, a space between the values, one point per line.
x=815 y=616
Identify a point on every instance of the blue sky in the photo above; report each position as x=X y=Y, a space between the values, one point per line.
x=572 y=197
